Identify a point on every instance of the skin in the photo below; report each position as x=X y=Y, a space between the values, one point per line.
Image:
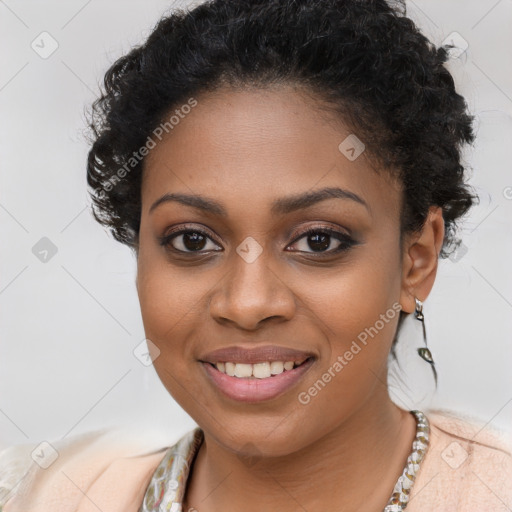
x=245 y=149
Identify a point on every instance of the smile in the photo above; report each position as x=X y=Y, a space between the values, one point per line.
x=256 y=382
x=258 y=370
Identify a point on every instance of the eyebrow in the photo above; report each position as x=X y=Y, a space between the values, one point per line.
x=281 y=206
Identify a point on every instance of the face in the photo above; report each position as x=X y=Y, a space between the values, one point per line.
x=239 y=270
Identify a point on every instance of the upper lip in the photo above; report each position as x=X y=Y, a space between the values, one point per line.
x=255 y=355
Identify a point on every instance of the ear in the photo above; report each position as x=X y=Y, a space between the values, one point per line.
x=420 y=258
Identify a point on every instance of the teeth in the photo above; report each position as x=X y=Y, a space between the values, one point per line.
x=243 y=370
x=261 y=370
x=230 y=369
x=276 y=367
x=257 y=370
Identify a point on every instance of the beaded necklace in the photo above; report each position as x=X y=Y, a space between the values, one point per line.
x=166 y=489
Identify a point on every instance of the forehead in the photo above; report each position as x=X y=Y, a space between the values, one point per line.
x=248 y=147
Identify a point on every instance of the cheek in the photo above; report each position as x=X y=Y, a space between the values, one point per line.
x=173 y=303
x=357 y=309
x=359 y=315
x=169 y=308
x=353 y=297
x=168 y=295
x=170 y=305
x=165 y=295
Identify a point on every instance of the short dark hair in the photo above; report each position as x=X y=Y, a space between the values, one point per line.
x=366 y=58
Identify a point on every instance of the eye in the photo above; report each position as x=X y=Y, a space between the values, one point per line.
x=319 y=239
x=322 y=240
x=188 y=241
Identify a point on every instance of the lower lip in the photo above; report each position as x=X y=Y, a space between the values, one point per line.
x=256 y=390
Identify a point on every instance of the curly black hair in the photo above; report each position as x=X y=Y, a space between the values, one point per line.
x=365 y=58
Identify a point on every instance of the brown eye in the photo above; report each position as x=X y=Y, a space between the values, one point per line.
x=188 y=241
x=323 y=240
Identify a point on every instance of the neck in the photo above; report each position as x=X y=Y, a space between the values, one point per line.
x=353 y=467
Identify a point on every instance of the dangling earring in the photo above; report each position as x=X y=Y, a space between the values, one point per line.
x=424 y=352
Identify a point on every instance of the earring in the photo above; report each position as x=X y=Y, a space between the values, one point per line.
x=424 y=352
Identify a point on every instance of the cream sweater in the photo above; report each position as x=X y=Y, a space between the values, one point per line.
x=467 y=468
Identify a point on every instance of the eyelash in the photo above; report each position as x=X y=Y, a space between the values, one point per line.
x=346 y=241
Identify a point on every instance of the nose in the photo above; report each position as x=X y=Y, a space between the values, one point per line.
x=251 y=294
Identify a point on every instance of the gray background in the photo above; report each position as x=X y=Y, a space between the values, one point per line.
x=69 y=325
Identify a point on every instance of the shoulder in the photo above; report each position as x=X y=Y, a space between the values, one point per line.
x=471 y=440
x=467 y=467
x=62 y=475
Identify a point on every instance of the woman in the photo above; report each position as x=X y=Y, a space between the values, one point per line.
x=288 y=174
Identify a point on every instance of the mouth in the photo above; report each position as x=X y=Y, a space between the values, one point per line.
x=256 y=382
x=261 y=370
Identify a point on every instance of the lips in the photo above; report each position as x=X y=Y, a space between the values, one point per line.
x=254 y=390
x=267 y=353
